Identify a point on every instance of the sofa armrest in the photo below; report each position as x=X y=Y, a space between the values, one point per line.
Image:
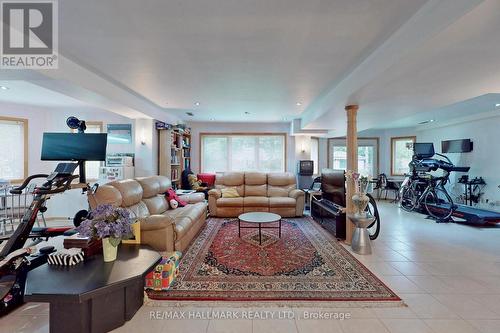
x=156 y=222
x=296 y=193
x=216 y=193
x=300 y=198
x=193 y=197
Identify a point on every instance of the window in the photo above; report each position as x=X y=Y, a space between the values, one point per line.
x=367 y=155
x=315 y=154
x=13 y=149
x=242 y=152
x=401 y=154
x=92 y=167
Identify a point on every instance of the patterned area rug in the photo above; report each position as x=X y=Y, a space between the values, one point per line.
x=305 y=264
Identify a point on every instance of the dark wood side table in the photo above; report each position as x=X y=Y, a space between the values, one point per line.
x=93 y=296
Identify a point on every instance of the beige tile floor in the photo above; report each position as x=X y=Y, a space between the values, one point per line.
x=447 y=274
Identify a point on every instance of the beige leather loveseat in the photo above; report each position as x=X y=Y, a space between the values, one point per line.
x=162 y=228
x=258 y=192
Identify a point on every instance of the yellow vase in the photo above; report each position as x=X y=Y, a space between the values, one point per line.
x=108 y=250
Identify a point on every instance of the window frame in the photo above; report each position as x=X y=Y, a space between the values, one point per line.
x=228 y=134
x=25 y=123
x=377 y=145
x=393 y=140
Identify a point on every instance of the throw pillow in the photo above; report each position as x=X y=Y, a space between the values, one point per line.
x=170 y=194
x=230 y=192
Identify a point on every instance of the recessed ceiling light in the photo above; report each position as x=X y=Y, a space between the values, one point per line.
x=4 y=88
x=212 y=119
x=246 y=112
x=497 y=105
x=298 y=104
x=197 y=103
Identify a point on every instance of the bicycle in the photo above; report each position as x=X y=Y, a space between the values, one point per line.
x=435 y=199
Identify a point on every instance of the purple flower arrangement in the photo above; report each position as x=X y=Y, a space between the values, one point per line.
x=107 y=221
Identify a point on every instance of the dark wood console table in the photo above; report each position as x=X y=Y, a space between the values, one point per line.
x=93 y=296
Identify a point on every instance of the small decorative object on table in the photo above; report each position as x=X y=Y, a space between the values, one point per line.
x=66 y=257
x=109 y=224
x=165 y=272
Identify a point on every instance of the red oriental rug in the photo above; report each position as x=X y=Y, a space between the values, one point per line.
x=305 y=264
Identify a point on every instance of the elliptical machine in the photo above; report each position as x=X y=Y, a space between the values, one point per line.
x=15 y=260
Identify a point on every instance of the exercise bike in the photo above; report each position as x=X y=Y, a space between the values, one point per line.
x=16 y=260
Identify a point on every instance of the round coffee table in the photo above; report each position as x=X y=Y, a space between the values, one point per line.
x=259 y=218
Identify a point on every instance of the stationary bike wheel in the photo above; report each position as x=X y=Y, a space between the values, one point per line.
x=439 y=204
x=79 y=217
x=371 y=208
x=408 y=199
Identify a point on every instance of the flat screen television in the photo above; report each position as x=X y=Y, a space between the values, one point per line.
x=423 y=149
x=74 y=146
x=456 y=146
x=306 y=168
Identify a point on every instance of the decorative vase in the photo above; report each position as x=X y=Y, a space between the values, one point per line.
x=108 y=250
x=360 y=201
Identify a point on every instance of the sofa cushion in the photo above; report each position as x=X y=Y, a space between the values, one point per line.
x=130 y=190
x=256 y=190
x=255 y=178
x=230 y=192
x=282 y=202
x=232 y=179
x=280 y=184
x=256 y=201
x=105 y=194
x=138 y=210
x=281 y=178
x=157 y=204
x=150 y=186
x=230 y=202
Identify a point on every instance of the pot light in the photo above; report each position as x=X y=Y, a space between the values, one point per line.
x=197 y=103
x=212 y=119
x=497 y=105
x=4 y=88
x=298 y=103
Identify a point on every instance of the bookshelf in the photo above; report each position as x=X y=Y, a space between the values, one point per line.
x=174 y=153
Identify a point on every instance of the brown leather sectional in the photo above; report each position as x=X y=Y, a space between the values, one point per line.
x=259 y=192
x=162 y=228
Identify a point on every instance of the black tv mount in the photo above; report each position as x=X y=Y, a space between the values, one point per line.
x=75 y=123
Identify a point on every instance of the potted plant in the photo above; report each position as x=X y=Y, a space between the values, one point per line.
x=111 y=225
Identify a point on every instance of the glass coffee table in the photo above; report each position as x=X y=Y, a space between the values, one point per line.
x=258 y=219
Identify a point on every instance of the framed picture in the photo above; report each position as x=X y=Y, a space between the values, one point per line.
x=119 y=133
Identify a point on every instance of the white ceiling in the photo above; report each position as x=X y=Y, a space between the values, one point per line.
x=26 y=93
x=233 y=57
x=402 y=61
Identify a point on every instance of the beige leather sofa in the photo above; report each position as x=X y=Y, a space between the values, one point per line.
x=259 y=192
x=162 y=228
